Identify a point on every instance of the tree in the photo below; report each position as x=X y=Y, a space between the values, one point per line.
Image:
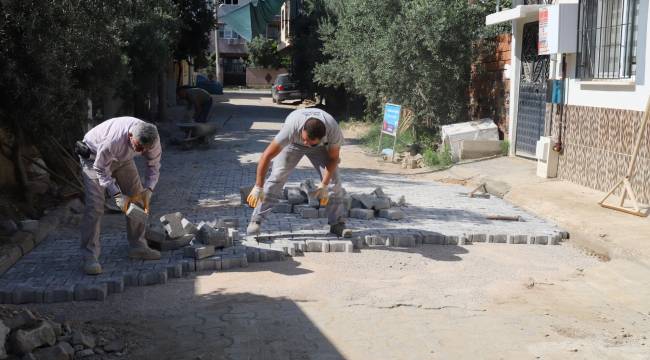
x=263 y=53
x=412 y=52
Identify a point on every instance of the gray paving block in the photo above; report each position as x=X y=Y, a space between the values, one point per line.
x=518 y=239
x=451 y=240
x=114 y=285
x=173 y=224
x=189 y=266
x=60 y=293
x=478 y=238
x=24 y=294
x=152 y=277
x=377 y=240
x=208 y=264
x=322 y=212
x=391 y=214
x=189 y=227
x=309 y=213
x=174 y=271
x=400 y=240
x=137 y=214
x=295 y=196
x=283 y=208
x=211 y=236
x=366 y=201
x=131 y=278
x=381 y=203
x=229 y=223
x=173 y=244
x=90 y=291
x=363 y=214
x=358 y=242
x=341 y=246
x=29 y=225
x=500 y=238
x=155 y=233
x=539 y=240
x=198 y=252
x=555 y=239
x=252 y=254
x=233 y=235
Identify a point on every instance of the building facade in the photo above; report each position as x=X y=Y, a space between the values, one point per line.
x=578 y=76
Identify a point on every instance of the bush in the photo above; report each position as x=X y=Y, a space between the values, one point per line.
x=438 y=158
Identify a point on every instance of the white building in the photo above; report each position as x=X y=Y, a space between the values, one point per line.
x=598 y=55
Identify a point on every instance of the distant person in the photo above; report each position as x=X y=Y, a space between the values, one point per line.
x=306 y=132
x=198 y=99
x=106 y=156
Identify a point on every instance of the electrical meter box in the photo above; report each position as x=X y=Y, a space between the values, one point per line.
x=558 y=29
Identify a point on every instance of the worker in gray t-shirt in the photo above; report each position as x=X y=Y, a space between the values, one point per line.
x=199 y=99
x=306 y=132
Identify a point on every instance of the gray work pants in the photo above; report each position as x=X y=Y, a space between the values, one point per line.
x=283 y=165
x=128 y=179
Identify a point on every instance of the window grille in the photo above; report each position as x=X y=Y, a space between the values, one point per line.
x=607 y=38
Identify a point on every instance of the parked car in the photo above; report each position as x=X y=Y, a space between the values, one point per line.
x=285 y=89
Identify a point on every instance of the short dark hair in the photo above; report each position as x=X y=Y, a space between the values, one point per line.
x=315 y=128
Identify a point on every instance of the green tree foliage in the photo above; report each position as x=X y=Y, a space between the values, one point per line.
x=416 y=53
x=263 y=52
x=195 y=19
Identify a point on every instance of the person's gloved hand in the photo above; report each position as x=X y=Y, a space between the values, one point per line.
x=145 y=196
x=122 y=201
x=256 y=195
x=322 y=194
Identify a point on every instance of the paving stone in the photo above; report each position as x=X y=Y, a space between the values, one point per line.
x=309 y=213
x=554 y=240
x=341 y=246
x=152 y=277
x=381 y=203
x=172 y=224
x=317 y=246
x=366 y=201
x=60 y=293
x=131 y=278
x=90 y=291
x=379 y=192
x=211 y=236
x=173 y=244
x=283 y=208
x=189 y=266
x=539 y=240
x=114 y=285
x=400 y=240
x=391 y=214
x=199 y=252
x=233 y=235
x=308 y=187
x=27 y=339
x=378 y=240
x=23 y=317
x=229 y=223
x=271 y=255
x=464 y=240
x=478 y=238
x=518 y=239
x=9 y=258
x=189 y=227
x=136 y=213
x=451 y=240
x=208 y=264
x=294 y=196
x=60 y=351
x=498 y=238
x=252 y=254
x=322 y=212
x=24 y=240
x=363 y=214
x=155 y=233
x=24 y=294
x=174 y=271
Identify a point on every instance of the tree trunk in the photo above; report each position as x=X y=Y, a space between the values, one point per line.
x=162 y=96
x=21 y=172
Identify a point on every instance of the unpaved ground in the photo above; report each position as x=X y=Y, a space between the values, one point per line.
x=486 y=301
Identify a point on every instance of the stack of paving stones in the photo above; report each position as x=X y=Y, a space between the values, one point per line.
x=24 y=335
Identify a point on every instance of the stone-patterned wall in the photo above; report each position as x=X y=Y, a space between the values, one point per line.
x=597 y=148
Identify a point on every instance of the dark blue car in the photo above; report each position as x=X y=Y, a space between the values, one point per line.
x=211 y=86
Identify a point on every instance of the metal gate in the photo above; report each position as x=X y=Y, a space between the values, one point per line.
x=532 y=93
x=234 y=72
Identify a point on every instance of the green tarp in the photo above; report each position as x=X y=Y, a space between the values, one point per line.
x=251 y=19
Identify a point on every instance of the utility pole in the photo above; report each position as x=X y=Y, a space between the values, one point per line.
x=216 y=42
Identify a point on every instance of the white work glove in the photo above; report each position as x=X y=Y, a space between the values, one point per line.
x=256 y=195
x=122 y=201
x=322 y=194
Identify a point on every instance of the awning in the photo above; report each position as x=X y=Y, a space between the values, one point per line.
x=251 y=19
x=520 y=12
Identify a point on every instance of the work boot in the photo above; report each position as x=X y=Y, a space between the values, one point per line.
x=253 y=228
x=92 y=266
x=340 y=230
x=144 y=253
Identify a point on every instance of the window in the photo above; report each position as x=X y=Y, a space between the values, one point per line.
x=231 y=2
x=607 y=38
x=226 y=32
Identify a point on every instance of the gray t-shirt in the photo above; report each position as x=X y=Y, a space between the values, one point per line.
x=293 y=125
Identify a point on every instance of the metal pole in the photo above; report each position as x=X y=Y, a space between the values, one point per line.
x=394 y=144
x=381 y=135
x=216 y=44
